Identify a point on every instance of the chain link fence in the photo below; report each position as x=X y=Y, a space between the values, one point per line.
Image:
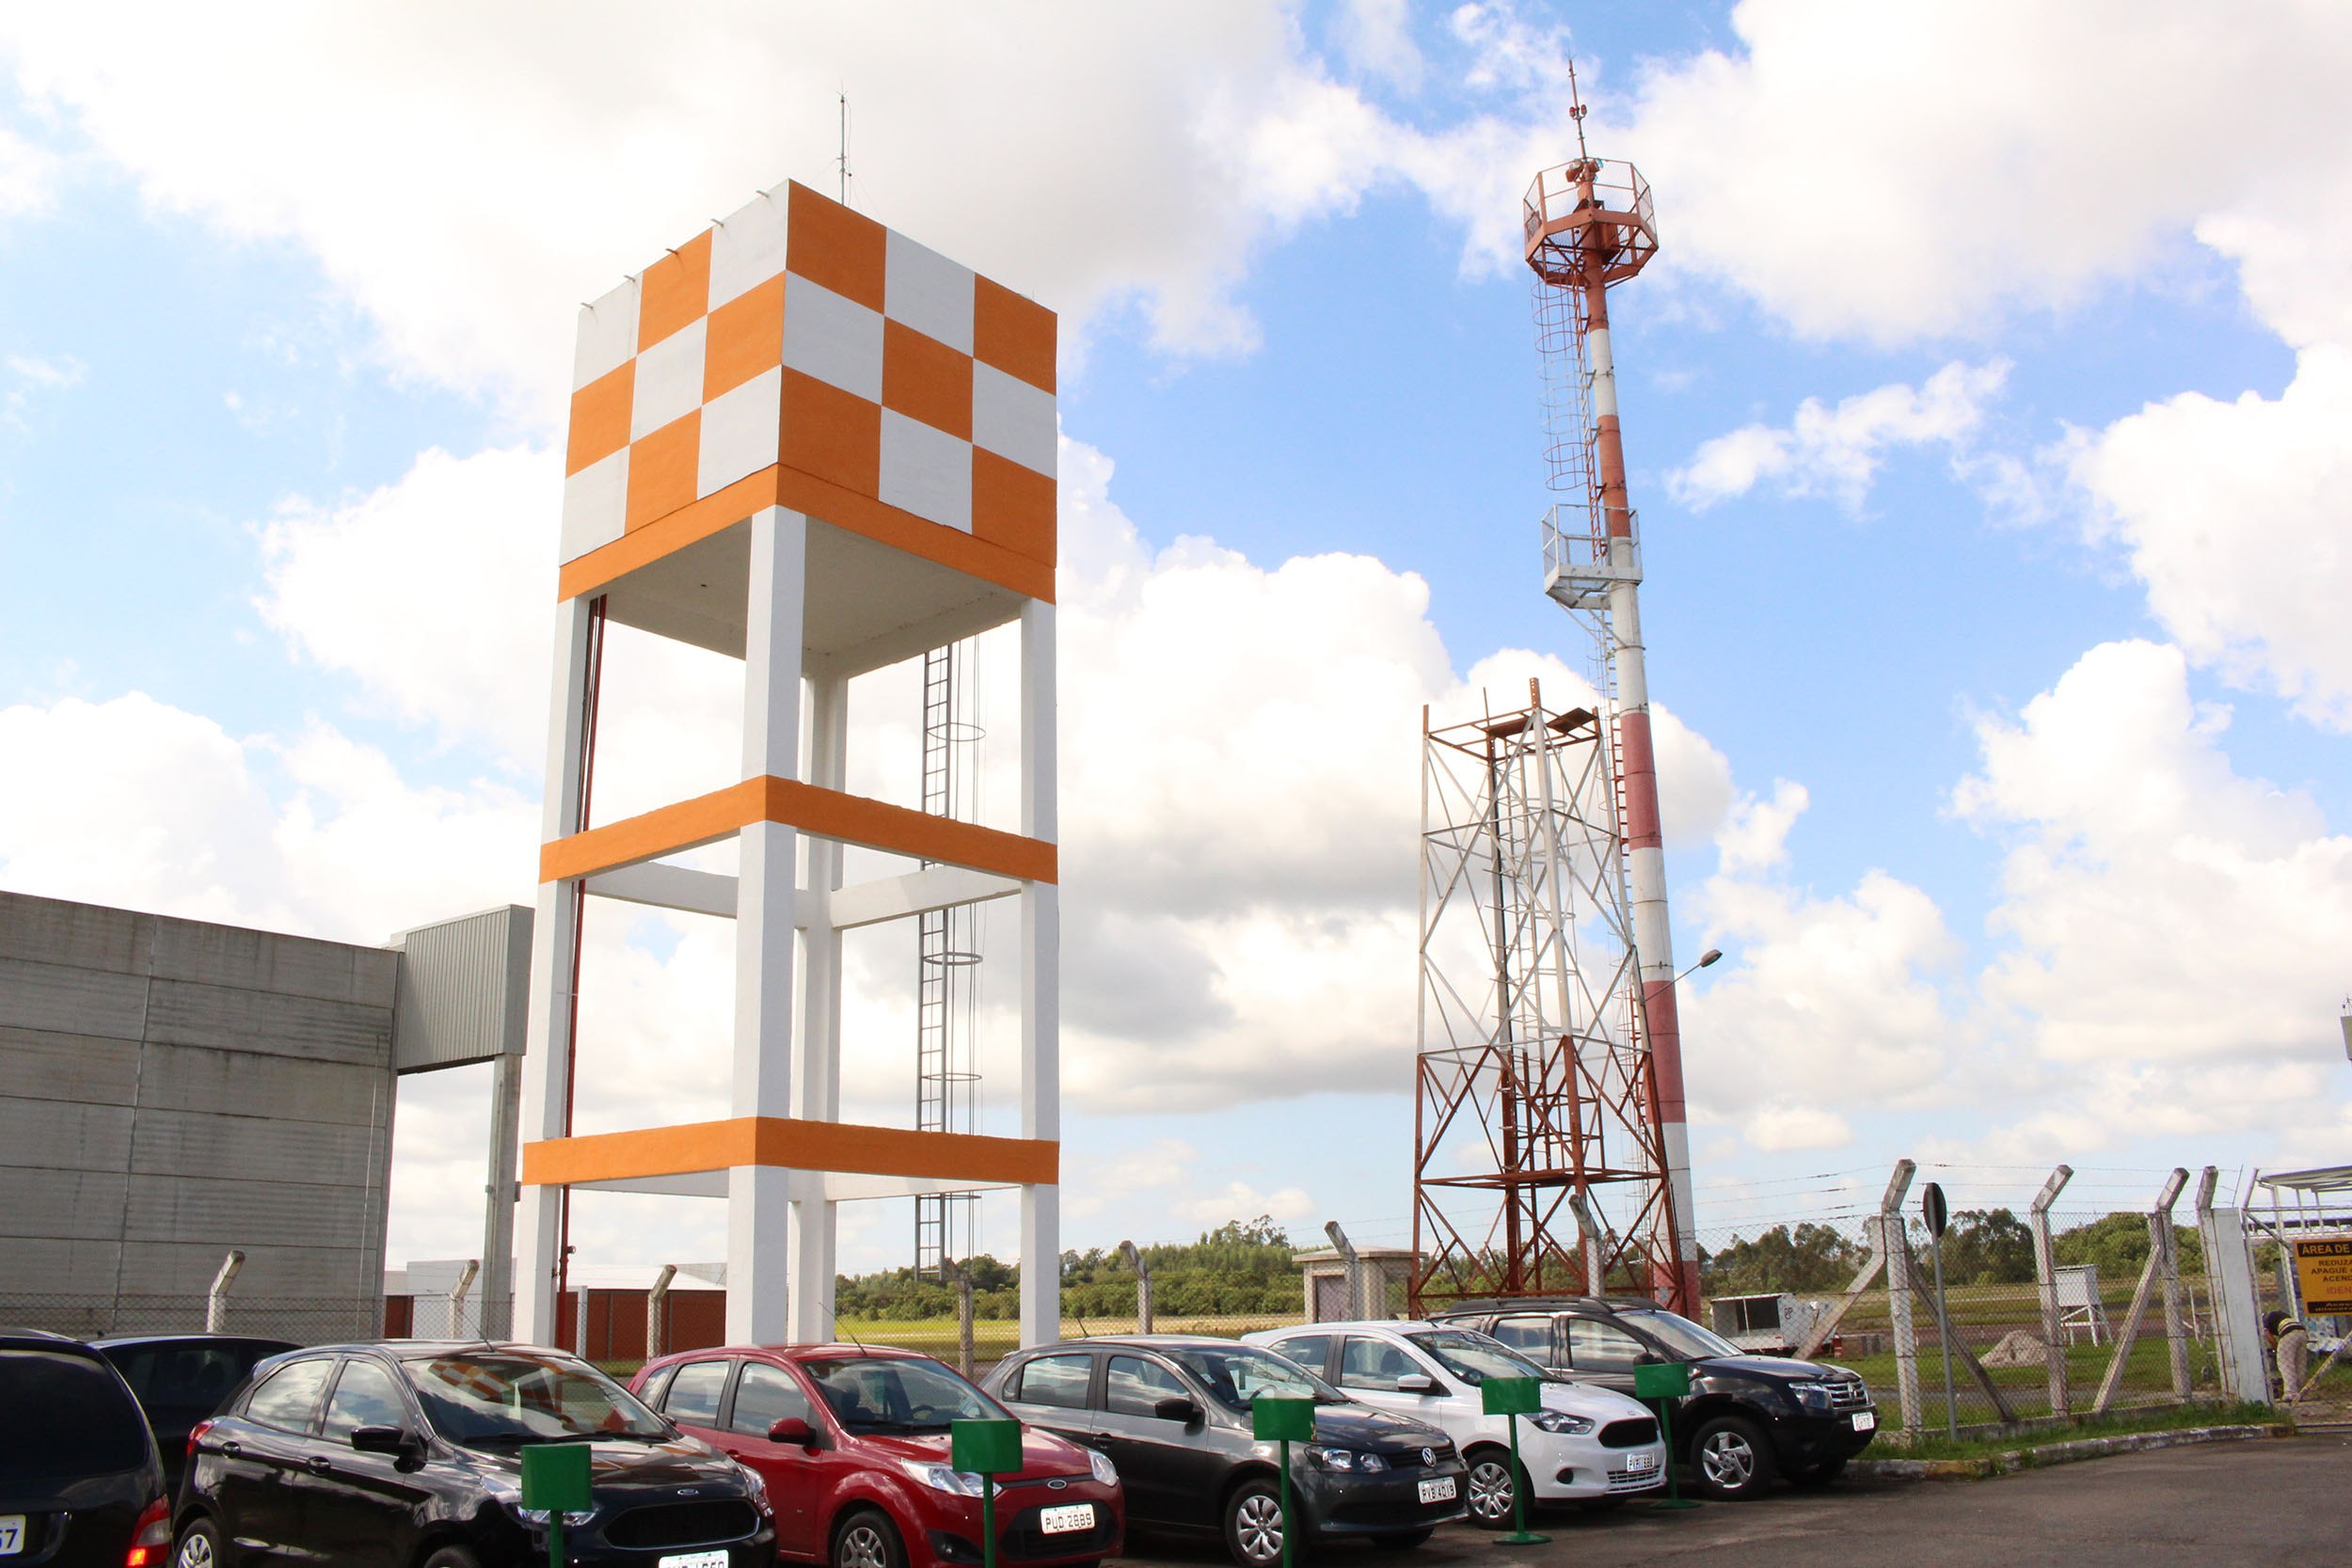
x=300 y=1321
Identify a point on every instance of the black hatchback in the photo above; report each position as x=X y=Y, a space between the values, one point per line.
x=409 y=1452
x=81 y=1483
x=1172 y=1413
x=180 y=1379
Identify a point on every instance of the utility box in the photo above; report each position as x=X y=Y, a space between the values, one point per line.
x=1765 y=1324
x=1377 y=1290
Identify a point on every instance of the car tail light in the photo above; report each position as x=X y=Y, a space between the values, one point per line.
x=151 y=1543
x=195 y=1436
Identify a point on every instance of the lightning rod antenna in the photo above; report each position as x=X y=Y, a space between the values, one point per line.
x=842 y=162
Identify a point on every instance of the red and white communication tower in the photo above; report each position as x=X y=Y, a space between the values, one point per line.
x=1550 y=1077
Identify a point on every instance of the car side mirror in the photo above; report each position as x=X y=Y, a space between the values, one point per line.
x=389 y=1440
x=1417 y=1383
x=794 y=1430
x=1177 y=1408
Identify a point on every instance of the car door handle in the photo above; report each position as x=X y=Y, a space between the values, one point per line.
x=232 y=1449
x=319 y=1465
x=734 y=1453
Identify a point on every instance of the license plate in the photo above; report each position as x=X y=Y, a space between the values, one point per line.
x=12 y=1535
x=1864 y=1420
x=1060 y=1521
x=694 y=1560
x=1437 y=1491
x=1637 y=1462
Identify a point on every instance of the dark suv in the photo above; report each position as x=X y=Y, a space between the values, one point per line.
x=411 y=1452
x=1746 y=1420
x=80 y=1482
x=1172 y=1413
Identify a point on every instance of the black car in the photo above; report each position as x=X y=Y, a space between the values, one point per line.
x=1171 y=1412
x=409 y=1452
x=1747 y=1417
x=180 y=1379
x=81 y=1483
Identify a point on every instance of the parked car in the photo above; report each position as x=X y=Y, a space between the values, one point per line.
x=1587 y=1444
x=80 y=1481
x=180 y=1379
x=853 y=1444
x=409 y=1452
x=1172 y=1412
x=1747 y=1418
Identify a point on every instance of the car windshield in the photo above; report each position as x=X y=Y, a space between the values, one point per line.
x=1236 y=1375
x=889 y=1393
x=86 y=1424
x=477 y=1397
x=1680 y=1333
x=1473 y=1358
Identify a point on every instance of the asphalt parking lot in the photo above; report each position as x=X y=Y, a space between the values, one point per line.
x=2286 y=1503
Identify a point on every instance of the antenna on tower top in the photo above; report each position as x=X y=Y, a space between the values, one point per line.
x=842 y=162
x=1576 y=113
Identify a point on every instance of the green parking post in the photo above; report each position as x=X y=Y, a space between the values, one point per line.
x=1275 y=1419
x=1666 y=1382
x=555 y=1478
x=987 y=1449
x=1511 y=1397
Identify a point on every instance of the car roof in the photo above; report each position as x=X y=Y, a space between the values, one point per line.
x=1359 y=1326
x=114 y=1341
x=41 y=1339
x=1144 y=1341
x=830 y=1349
x=1546 y=1303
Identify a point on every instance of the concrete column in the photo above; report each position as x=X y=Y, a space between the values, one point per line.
x=554 y=939
x=759 y=1232
x=817 y=1060
x=1040 y=982
x=2045 y=1275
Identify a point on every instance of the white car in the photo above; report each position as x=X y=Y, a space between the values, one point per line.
x=1587 y=1444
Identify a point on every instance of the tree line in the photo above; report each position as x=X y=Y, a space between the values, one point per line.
x=1981 y=1246
x=1243 y=1267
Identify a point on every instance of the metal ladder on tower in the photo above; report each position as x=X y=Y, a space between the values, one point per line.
x=934 y=969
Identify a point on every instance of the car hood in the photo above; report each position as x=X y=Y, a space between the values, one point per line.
x=1043 y=1454
x=1584 y=1399
x=1768 y=1369
x=679 y=1461
x=1359 y=1426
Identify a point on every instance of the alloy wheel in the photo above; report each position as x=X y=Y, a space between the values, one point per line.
x=1259 y=1523
x=1491 y=1489
x=196 y=1551
x=1728 y=1460
x=861 y=1546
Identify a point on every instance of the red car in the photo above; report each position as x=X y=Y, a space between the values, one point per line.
x=852 y=1443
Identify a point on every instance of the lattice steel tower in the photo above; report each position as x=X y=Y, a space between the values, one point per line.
x=1550 y=1079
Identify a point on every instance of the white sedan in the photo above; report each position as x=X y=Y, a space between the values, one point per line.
x=1586 y=1445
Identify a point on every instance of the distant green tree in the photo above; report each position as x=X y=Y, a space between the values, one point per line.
x=2117 y=1243
x=1811 y=1257
x=1990 y=1246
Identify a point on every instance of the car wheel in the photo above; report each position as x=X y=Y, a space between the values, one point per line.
x=451 y=1557
x=1254 y=1524
x=200 y=1547
x=1490 y=1488
x=1731 y=1457
x=1406 y=1538
x=1823 y=1474
x=867 y=1540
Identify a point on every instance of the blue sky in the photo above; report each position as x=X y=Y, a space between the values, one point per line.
x=1993 y=584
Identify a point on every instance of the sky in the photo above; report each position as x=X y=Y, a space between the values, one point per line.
x=1986 y=409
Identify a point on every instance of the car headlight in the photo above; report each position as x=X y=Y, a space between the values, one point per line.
x=758 y=1486
x=1344 y=1460
x=943 y=1478
x=1560 y=1423
x=1100 y=1462
x=1813 y=1396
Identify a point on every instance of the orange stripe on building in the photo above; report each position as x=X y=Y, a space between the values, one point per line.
x=815 y=497
x=825 y=812
x=791 y=1144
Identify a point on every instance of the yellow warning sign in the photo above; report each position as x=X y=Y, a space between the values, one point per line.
x=2323 y=1274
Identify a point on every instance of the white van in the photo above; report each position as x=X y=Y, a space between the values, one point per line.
x=1587 y=1444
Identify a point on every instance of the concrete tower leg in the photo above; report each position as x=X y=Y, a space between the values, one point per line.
x=759 y=1197
x=1040 y=990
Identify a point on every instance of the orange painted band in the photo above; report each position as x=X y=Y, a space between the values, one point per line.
x=789 y=487
x=791 y=1144
x=824 y=812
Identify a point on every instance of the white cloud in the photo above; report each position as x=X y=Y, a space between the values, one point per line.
x=1780 y=1127
x=33 y=378
x=1755 y=835
x=1838 y=451
x=29 y=176
x=1375 y=37
x=1239 y=1200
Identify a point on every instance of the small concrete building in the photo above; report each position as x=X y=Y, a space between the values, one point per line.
x=172 y=1089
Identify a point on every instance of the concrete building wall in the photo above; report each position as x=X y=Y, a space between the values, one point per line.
x=170 y=1090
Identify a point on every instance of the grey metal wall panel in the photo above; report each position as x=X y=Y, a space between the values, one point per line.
x=39 y=1064
x=262 y=961
x=72 y=1001
x=464 y=990
x=236 y=1082
x=182 y=1012
x=207 y=1146
x=61 y=1205
x=273 y=1273
x=61 y=1136
x=79 y=936
x=276 y=1215
x=59 y=1266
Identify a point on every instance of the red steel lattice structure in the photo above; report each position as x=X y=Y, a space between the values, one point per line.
x=1578 y=1103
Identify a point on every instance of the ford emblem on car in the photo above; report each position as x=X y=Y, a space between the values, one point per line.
x=690 y=1492
x=1057 y=1484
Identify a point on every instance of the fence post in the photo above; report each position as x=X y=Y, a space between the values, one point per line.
x=658 y=1303
x=2164 y=1237
x=1894 y=1244
x=965 y=1360
x=2159 y=1219
x=457 y=1298
x=2046 y=1274
x=216 y=1304
x=579 y=1316
x=1143 y=1285
x=2236 y=1307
